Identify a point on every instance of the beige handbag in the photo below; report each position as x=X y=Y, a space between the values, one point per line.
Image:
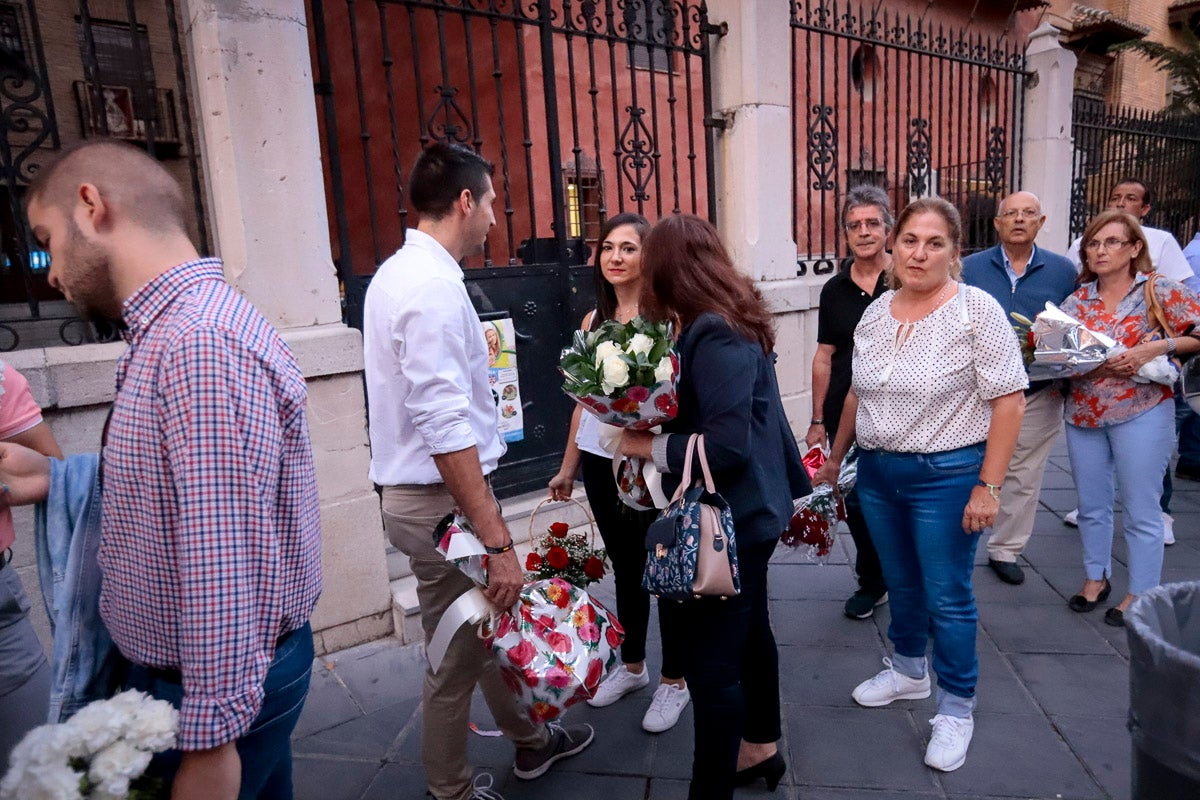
x=692 y=550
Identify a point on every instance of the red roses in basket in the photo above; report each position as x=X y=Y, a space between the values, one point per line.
x=566 y=555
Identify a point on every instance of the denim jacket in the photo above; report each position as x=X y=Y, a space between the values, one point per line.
x=67 y=535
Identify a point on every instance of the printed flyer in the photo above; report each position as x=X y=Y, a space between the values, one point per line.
x=502 y=373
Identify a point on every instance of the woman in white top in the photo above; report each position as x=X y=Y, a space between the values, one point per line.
x=618 y=286
x=937 y=403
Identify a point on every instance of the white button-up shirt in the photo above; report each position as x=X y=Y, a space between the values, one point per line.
x=426 y=367
x=1165 y=255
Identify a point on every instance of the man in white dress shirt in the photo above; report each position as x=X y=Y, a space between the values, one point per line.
x=1133 y=196
x=1166 y=256
x=434 y=439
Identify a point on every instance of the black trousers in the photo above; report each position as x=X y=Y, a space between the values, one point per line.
x=866 y=562
x=733 y=674
x=623 y=530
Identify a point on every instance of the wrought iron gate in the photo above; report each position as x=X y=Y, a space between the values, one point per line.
x=69 y=77
x=1161 y=150
x=586 y=108
x=907 y=104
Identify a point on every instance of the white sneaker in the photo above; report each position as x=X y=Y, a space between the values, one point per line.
x=947 y=750
x=1168 y=528
x=669 y=701
x=617 y=685
x=890 y=685
x=1072 y=518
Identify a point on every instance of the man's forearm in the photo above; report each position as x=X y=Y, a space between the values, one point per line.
x=463 y=476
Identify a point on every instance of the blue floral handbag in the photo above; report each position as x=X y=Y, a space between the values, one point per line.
x=692 y=549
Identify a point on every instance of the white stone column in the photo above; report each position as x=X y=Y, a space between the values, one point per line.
x=752 y=92
x=260 y=148
x=1048 y=151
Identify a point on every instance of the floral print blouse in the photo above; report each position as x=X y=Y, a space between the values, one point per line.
x=1098 y=402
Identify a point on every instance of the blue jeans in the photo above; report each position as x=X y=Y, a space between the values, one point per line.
x=24 y=671
x=1135 y=452
x=265 y=749
x=914 y=505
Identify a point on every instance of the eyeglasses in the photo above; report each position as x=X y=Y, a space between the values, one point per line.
x=1107 y=244
x=871 y=224
x=1023 y=213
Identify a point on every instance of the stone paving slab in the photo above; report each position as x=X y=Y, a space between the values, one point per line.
x=1053 y=695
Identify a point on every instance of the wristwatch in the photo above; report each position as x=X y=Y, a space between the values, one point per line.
x=816 y=421
x=993 y=488
x=1170 y=347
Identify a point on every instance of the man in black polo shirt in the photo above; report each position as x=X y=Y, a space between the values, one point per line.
x=867 y=221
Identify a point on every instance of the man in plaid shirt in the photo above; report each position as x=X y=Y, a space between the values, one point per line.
x=210 y=532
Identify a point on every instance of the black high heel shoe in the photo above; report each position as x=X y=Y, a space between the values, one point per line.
x=771 y=770
x=1081 y=604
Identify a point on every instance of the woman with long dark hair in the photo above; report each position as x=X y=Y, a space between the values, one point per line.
x=728 y=393
x=623 y=529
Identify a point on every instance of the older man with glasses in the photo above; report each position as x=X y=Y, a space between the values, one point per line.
x=1023 y=278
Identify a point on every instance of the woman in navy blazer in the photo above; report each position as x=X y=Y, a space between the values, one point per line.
x=728 y=392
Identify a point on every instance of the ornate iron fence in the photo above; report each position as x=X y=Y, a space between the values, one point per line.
x=1161 y=150
x=913 y=106
x=586 y=108
x=116 y=94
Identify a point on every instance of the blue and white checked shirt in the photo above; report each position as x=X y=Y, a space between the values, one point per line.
x=210 y=544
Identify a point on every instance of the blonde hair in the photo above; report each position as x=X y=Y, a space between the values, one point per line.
x=1133 y=229
x=949 y=215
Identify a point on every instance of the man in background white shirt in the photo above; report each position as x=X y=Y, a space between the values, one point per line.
x=1133 y=196
x=434 y=439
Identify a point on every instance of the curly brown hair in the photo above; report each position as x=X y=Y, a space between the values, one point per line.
x=687 y=271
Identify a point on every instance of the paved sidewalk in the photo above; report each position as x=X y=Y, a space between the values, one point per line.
x=1053 y=696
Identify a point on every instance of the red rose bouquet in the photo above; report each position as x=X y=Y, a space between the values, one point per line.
x=815 y=516
x=570 y=556
x=554 y=646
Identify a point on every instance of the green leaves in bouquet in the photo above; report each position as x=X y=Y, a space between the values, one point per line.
x=1022 y=327
x=582 y=376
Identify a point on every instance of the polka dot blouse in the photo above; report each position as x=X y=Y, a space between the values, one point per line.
x=926 y=389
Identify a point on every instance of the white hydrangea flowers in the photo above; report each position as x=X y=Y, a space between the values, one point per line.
x=98 y=753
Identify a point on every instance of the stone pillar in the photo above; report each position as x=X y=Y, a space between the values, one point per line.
x=752 y=93
x=260 y=148
x=1048 y=151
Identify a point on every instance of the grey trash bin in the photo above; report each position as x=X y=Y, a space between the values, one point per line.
x=1163 y=626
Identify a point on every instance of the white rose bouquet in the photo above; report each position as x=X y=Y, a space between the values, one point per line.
x=101 y=752
x=625 y=374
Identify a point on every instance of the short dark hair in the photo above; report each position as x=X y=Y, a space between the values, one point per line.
x=441 y=173
x=1135 y=182
x=606 y=295
x=125 y=176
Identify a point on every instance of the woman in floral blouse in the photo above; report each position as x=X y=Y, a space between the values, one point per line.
x=1118 y=427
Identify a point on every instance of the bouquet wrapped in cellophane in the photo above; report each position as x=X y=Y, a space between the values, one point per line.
x=554 y=646
x=624 y=374
x=815 y=516
x=1062 y=346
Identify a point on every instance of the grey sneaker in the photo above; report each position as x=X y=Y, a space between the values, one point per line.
x=564 y=742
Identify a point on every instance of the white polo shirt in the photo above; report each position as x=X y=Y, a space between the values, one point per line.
x=426 y=365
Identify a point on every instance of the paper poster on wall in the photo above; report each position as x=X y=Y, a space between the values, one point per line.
x=502 y=373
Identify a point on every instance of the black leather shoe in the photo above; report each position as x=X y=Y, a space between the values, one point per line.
x=1081 y=604
x=1115 y=617
x=1007 y=571
x=771 y=770
x=1189 y=472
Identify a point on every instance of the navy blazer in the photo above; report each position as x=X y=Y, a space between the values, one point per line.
x=728 y=392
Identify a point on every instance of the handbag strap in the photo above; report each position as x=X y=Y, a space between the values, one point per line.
x=709 y=484
x=1154 y=310
x=686 y=482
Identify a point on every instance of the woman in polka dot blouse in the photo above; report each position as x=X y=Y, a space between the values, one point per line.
x=936 y=401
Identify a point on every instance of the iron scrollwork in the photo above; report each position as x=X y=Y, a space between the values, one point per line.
x=822 y=148
x=996 y=163
x=454 y=125
x=919 y=149
x=1079 y=205
x=637 y=146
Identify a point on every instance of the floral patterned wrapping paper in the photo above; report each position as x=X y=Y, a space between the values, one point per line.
x=815 y=516
x=554 y=646
x=638 y=407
